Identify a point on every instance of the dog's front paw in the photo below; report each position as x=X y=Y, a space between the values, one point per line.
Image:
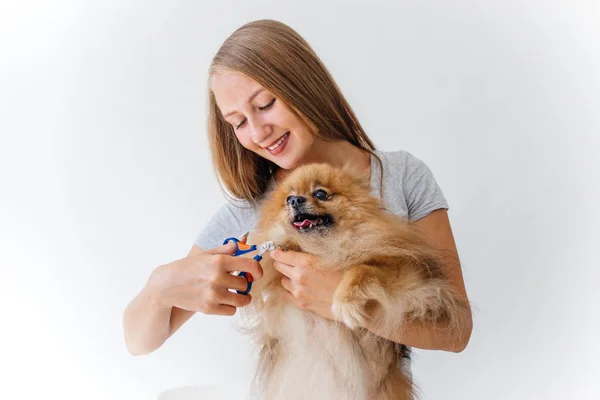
x=359 y=296
x=352 y=312
x=284 y=247
x=279 y=235
x=288 y=245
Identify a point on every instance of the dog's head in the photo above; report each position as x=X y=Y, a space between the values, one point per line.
x=319 y=199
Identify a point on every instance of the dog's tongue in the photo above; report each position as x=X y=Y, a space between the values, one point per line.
x=305 y=223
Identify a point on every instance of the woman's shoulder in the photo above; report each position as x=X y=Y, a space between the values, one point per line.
x=409 y=186
x=396 y=162
x=396 y=155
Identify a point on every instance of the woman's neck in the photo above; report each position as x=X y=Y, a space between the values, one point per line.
x=335 y=154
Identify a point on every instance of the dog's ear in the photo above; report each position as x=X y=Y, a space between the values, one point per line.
x=357 y=174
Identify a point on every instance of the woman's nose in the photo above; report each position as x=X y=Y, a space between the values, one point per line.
x=261 y=131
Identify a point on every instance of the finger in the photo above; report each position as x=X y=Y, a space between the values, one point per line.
x=287 y=284
x=243 y=237
x=285 y=269
x=244 y=264
x=289 y=298
x=223 y=309
x=234 y=299
x=228 y=248
x=290 y=257
x=229 y=281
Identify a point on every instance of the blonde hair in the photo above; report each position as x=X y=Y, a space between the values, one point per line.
x=280 y=60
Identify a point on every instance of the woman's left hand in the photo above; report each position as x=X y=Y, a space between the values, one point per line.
x=307 y=286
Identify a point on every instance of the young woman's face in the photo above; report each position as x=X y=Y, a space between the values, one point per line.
x=261 y=122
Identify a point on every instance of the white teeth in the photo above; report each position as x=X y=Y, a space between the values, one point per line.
x=276 y=145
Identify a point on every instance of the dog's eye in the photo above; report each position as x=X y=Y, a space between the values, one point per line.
x=320 y=194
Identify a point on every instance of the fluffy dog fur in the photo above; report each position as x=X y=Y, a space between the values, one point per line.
x=390 y=276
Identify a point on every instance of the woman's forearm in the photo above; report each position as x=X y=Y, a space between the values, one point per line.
x=431 y=337
x=146 y=323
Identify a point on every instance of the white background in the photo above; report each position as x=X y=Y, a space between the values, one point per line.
x=106 y=175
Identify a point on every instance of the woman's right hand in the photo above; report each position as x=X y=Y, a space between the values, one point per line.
x=201 y=283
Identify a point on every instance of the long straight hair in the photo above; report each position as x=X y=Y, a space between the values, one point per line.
x=280 y=60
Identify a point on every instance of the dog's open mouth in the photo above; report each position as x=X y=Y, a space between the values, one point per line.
x=307 y=222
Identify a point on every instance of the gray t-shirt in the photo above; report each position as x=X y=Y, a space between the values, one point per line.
x=409 y=190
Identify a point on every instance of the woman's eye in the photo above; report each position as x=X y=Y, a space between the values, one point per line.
x=320 y=194
x=241 y=124
x=269 y=105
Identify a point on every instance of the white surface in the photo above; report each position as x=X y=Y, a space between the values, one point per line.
x=106 y=175
x=203 y=393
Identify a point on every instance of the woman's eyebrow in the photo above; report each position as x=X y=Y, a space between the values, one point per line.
x=252 y=96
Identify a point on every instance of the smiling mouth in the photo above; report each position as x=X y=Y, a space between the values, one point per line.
x=279 y=141
x=309 y=222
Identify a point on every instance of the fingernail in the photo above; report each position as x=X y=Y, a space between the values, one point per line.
x=249 y=277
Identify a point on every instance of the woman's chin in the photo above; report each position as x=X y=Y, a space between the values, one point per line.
x=286 y=162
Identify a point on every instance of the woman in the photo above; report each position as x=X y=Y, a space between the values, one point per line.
x=274 y=107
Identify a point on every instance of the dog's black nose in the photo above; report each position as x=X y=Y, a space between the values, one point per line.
x=295 y=201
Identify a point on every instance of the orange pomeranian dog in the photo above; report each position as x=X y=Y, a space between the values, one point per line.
x=389 y=276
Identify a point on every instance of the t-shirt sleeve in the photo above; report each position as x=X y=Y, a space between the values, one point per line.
x=422 y=192
x=223 y=224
